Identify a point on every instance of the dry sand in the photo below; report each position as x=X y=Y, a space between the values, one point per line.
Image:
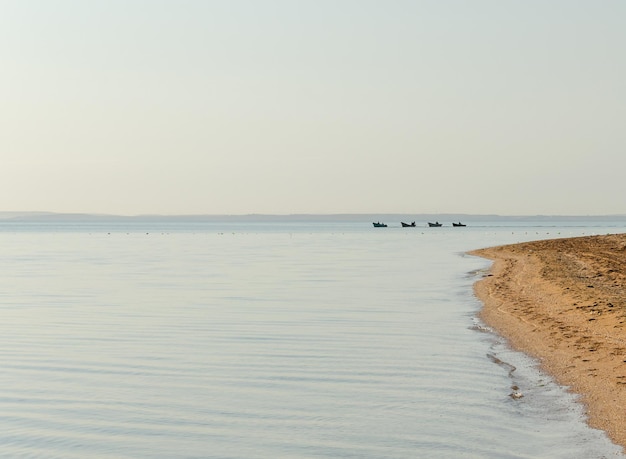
x=563 y=301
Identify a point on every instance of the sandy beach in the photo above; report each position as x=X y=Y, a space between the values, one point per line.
x=563 y=301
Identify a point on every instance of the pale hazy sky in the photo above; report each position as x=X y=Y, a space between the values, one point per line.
x=320 y=106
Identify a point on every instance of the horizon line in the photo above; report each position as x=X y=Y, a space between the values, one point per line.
x=18 y=214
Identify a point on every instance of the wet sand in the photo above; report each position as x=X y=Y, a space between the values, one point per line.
x=563 y=301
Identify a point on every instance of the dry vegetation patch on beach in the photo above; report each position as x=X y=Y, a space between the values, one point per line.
x=563 y=301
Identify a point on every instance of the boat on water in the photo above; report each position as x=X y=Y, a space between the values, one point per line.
x=379 y=225
x=434 y=225
x=458 y=224
x=407 y=225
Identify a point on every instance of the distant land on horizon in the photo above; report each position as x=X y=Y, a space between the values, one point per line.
x=365 y=217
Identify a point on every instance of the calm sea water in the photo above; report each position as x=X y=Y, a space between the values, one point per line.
x=261 y=340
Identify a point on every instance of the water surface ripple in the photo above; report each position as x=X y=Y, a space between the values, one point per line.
x=311 y=343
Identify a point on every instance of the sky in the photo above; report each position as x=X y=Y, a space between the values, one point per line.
x=135 y=107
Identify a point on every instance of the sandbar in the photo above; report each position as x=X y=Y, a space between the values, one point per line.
x=563 y=301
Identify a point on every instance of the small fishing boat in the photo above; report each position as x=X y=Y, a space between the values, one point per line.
x=434 y=225
x=407 y=225
x=458 y=224
x=379 y=225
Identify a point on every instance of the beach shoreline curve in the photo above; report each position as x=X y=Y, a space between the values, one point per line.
x=563 y=302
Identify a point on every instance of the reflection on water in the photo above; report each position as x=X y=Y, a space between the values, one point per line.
x=300 y=344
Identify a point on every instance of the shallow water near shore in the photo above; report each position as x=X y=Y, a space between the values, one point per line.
x=329 y=340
